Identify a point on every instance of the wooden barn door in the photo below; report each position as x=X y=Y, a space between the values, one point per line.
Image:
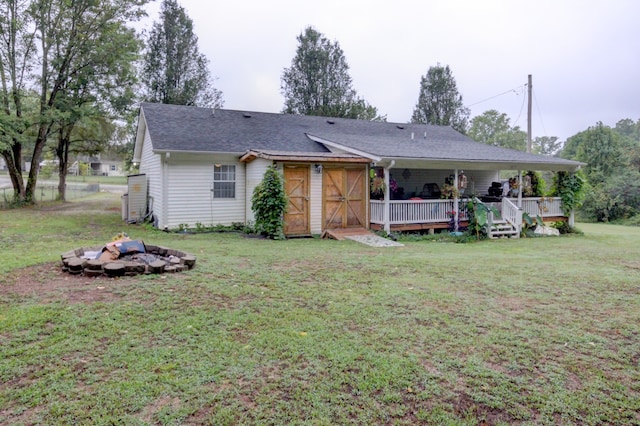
x=296 y=185
x=344 y=197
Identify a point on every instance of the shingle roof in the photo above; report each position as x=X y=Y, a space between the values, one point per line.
x=193 y=129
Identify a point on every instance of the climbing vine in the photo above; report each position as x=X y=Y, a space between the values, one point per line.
x=570 y=188
x=269 y=203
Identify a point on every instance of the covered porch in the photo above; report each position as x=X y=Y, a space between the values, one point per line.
x=410 y=204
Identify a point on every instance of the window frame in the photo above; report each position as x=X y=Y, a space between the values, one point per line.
x=222 y=178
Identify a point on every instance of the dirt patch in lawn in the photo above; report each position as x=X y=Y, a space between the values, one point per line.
x=47 y=283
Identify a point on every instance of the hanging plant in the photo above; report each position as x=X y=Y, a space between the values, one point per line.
x=378 y=186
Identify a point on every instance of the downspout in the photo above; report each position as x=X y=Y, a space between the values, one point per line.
x=164 y=188
x=387 y=170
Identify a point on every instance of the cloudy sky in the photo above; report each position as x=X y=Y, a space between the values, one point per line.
x=584 y=55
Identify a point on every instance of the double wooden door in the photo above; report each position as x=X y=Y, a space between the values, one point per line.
x=344 y=197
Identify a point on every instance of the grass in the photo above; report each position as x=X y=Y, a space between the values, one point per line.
x=320 y=332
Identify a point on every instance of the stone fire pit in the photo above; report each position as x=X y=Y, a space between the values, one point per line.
x=148 y=259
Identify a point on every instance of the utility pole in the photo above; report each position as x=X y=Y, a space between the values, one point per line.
x=530 y=91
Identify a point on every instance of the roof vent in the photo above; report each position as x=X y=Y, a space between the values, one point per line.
x=331 y=122
x=400 y=127
x=246 y=115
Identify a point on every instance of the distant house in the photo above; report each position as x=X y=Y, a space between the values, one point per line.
x=102 y=165
x=202 y=165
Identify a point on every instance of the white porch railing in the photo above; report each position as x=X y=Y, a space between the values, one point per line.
x=415 y=211
x=437 y=211
x=545 y=207
x=512 y=214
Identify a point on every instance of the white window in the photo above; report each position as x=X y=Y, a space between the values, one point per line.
x=224 y=181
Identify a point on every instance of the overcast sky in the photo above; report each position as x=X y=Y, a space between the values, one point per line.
x=584 y=55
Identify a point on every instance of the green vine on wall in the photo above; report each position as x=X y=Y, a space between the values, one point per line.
x=269 y=203
x=570 y=188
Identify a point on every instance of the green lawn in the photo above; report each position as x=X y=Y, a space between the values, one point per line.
x=319 y=332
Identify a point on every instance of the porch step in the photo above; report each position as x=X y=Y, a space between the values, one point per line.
x=502 y=228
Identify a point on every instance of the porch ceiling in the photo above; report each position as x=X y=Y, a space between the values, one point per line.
x=443 y=164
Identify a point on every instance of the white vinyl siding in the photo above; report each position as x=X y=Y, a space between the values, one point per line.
x=315 y=201
x=254 y=174
x=151 y=165
x=190 y=180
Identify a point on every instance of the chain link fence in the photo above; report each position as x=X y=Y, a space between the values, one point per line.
x=49 y=192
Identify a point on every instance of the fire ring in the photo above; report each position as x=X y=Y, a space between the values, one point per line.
x=145 y=259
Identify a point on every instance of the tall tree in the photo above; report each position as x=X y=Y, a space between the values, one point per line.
x=95 y=96
x=174 y=70
x=546 y=145
x=17 y=58
x=439 y=101
x=318 y=81
x=75 y=39
x=494 y=128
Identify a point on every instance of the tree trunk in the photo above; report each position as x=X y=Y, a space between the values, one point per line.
x=62 y=152
x=62 y=181
x=41 y=140
x=13 y=158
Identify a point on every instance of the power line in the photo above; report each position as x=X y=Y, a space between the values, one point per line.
x=514 y=90
x=521 y=109
x=535 y=99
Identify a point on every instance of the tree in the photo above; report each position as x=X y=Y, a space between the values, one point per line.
x=439 y=101
x=546 y=145
x=599 y=147
x=17 y=53
x=174 y=71
x=77 y=42
x=494 y=128
x=84 y=45
x=610 y=172
x=318 y=81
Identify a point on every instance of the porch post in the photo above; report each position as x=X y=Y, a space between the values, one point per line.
x=456 y=209
x=387 y=172
x=520 y=191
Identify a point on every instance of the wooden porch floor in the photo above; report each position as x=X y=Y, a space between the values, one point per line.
x=431 y=227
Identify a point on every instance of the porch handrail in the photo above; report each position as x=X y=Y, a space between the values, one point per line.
x=512 y=214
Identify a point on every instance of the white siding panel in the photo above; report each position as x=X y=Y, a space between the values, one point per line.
x=254 y=174
x=482 y=180
x=478 y=181
x=150 y=164
x=315 y=202
x=191 y=201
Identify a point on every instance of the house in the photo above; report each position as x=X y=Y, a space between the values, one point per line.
x=202 y=165
x=102 y=165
